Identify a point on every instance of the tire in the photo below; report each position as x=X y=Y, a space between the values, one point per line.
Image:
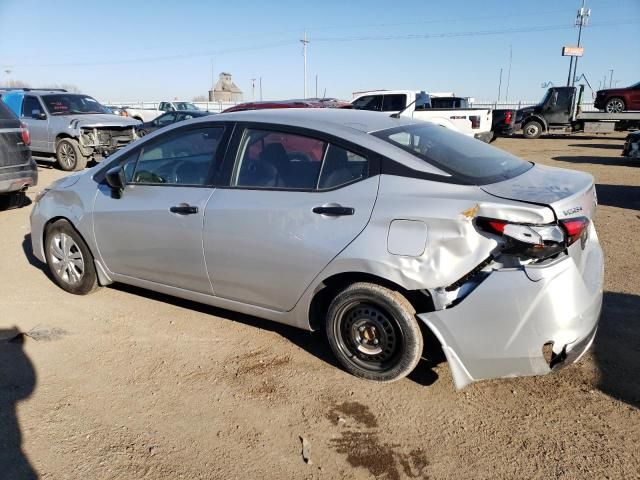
x=615 y=105
x=13 y=200
x=69 y=156
x=373 y=332
x=141 y=133
x=532 y=129
x=69 y=259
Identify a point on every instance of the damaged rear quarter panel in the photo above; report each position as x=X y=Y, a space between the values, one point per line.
x=453 y=247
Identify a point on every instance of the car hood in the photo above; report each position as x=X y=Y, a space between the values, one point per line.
x=100 y=120
x=568 y=192
x=612 y=91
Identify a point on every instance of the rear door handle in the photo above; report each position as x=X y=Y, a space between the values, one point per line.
x=184 y=209
x=334 y=211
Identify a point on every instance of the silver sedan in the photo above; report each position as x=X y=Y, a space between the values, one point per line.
x=369 y=227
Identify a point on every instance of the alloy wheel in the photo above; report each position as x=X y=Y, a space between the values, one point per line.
x=67 y=261
x=615 y=106
x=67 y=155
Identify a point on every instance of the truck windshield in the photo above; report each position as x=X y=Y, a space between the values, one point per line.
x=67 y=104
x=545 y=97
x=467 y=159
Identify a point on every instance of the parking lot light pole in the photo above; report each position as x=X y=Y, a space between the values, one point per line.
x=305 y=42
x=581 y=21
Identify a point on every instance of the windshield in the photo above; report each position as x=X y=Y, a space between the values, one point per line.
x=185 y=106
x=635 y=85
x=463 y=157
x=67 y=104
x=545 y=97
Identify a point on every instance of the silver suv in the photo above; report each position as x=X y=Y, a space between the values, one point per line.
x=72 y=127
x=366 y=226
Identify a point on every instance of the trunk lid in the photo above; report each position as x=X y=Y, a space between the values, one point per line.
x=13 y=151
x=568 y=193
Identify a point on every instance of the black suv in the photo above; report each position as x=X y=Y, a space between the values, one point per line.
x=18 y=171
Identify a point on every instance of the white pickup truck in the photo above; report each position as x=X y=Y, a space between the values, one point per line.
x=473 y=122
x=148 y=114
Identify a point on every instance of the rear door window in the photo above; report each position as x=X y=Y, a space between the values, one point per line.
x=394 y=103
x=31 y=107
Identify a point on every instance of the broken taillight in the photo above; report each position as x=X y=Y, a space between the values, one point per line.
x=24 y=132
x=574 y=228
x=528 y=241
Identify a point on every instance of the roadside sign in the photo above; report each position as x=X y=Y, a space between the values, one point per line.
x=572 y=51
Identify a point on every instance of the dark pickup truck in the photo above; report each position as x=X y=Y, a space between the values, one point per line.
x=505 y=122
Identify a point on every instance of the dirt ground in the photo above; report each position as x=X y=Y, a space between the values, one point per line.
x=126 y=383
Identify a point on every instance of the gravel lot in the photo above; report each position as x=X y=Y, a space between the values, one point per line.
x=126 y=383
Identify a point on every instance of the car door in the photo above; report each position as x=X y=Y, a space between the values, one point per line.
x=35 y=117
x=293 y=202
x=153 y=231
x=558 y=109
x=634 y=97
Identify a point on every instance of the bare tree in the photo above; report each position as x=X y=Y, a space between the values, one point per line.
x=17 y=84
x=200 y=98
x=69 y=87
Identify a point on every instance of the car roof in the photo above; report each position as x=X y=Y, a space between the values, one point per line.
x=321 y=118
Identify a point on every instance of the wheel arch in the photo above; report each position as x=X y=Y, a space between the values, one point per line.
x=328 y=287
x=103 y=276
x=536 y=118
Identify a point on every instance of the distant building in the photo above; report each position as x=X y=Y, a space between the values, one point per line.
x=225 y=90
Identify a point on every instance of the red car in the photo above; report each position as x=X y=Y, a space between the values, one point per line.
x=308 y=103
x=614 y=100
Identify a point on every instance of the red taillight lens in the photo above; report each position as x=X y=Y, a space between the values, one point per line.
x=574 y=227
x=475 y=121
x=507 y=117
x=24 y=131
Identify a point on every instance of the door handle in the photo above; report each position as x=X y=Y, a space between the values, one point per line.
x=184 y=209
x=334 y=211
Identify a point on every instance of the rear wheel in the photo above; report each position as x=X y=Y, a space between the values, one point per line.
x=373 y=332
x=13 y=200
x=532 y=129
x=69 y=259
x=69 y=156
x=615 y=105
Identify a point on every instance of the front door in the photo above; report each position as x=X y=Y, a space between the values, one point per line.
x=154 y=230
x=293 y=204
x=37 y=121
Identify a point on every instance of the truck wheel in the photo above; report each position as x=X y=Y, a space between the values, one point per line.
x=532 y=129
x=615 y=105
x=373 y=332
x=69 y=156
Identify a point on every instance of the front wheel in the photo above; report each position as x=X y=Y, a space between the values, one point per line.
x=69 y=155
x=532 y=129
x=373 y=332
x=615 y=105
x=69 y=259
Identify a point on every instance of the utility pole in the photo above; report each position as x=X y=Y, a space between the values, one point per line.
x=610 y=77
x=253 y=88
x=316 y=85
x=499 y=85
x=581 y=20
x=260 y=88
x=506 y=96
x=305 y=42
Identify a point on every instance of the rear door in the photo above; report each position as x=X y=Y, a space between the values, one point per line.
x=37 y=120
x=153 y=231
x=292 y=203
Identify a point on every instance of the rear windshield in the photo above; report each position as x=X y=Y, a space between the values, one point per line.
x=467 y=159
x=5 y=113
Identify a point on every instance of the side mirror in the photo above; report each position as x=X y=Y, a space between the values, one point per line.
x=115 y=179
x=38 y=115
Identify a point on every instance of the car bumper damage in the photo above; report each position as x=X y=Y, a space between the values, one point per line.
x=13 y=179
x=521 y=321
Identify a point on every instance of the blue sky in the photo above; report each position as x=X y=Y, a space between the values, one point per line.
x=152 y=50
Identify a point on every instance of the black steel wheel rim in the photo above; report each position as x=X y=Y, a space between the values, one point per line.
x=368 y=335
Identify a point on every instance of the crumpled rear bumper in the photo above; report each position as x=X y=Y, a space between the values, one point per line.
x=500 y=328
